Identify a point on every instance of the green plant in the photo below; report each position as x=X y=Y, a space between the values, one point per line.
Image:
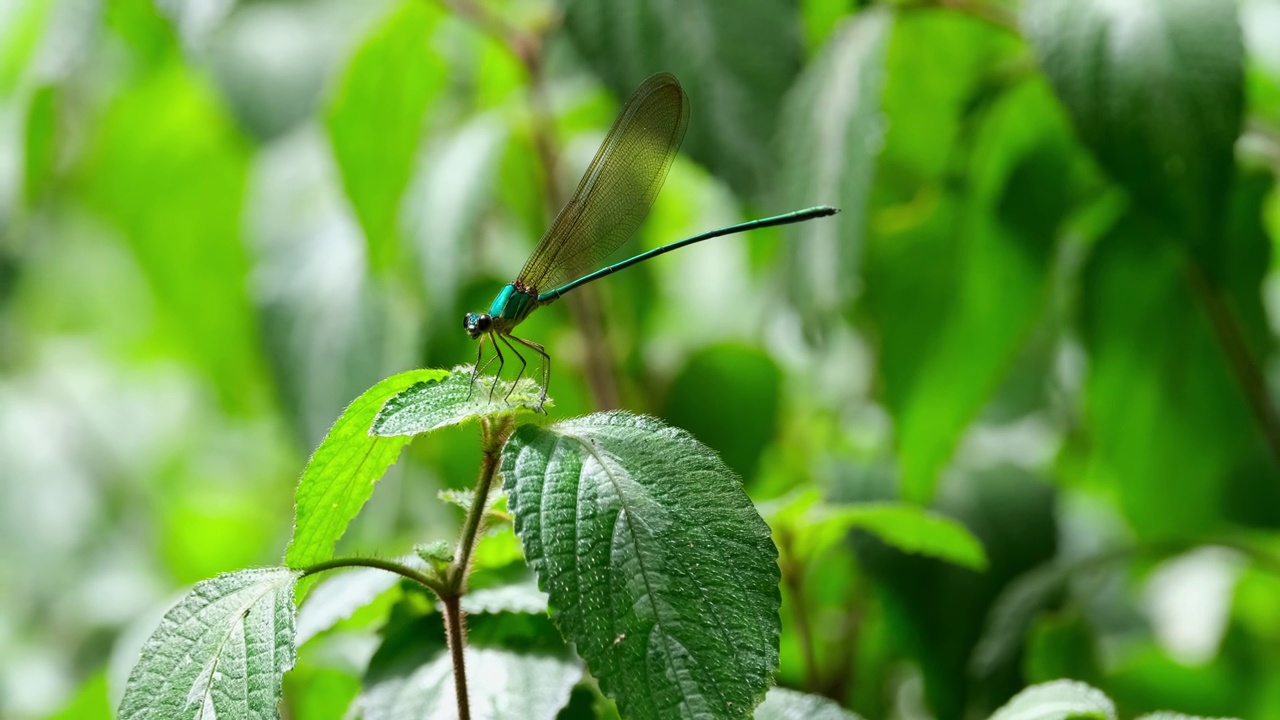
x=1000 y=414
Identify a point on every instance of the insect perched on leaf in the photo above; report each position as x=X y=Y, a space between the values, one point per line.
x=610 y=203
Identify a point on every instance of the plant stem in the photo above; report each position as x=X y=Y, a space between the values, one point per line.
x=800 y=611
x=388 y=565
x=494 y=435
x=455 y=626
x=1245 y=367
x=840 y=681
x=522 y=44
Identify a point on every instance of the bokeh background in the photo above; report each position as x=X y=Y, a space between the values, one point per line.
x=221 y=220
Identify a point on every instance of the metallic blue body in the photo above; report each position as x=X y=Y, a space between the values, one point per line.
x=511 y=307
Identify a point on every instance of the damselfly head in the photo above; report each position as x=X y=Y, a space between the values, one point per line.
x=477 y=324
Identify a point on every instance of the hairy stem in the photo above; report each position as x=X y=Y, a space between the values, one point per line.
x=494 y=433
x=455 y=627
x=379 y=564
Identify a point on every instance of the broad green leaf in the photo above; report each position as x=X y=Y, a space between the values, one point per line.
x=916 y=530
x=450 y=399
x=220 y=652
x=1058 y=700
x=830 y=135
x=375 y=120
x=740 y=382
x=660 y=570
x=175 y=192
x=339 y=478
x=784 y=704
x=813 y=527
x=1176 y=716
x=1162 y=405
x=714 y=48
x=1156 y=91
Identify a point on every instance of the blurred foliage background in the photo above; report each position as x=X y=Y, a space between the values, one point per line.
x=221 y=220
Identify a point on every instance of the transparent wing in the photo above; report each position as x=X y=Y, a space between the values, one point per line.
x=618 y=188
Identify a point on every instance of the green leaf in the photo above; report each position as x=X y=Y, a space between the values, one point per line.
x=659 y=568
x=222 y=651
x=450 y=399
x=831 y=133
x=1156 y=91
x=340 y=476
x=436 y=552
x=1176 y=716
x=784 y=704
x=375 y=120
x=916 y=530
x=175 y=192
x=714 y=49
x=1058 y=700
x=814 y=527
